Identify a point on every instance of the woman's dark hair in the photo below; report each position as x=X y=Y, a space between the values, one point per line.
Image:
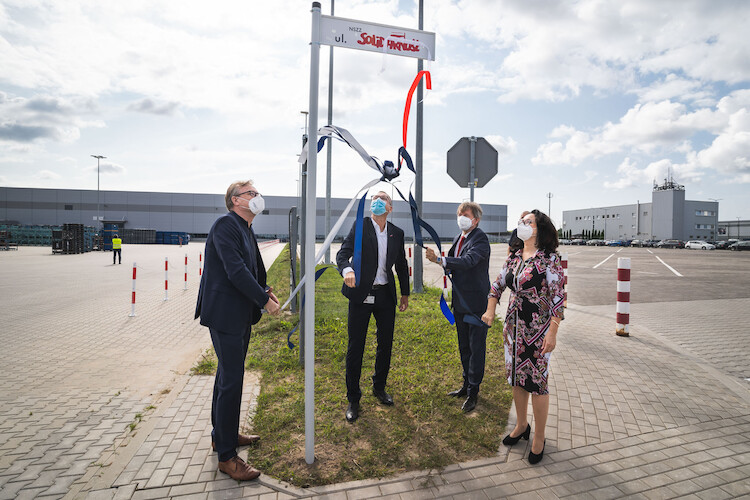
x=546 y=234
x=514 y=243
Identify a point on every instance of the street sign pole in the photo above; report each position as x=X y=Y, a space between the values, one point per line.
x=312 y=161
x=473 y=161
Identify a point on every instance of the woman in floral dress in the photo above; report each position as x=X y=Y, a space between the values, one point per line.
x=534 y=275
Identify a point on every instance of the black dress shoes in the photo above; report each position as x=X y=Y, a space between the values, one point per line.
x=535 y=458
x=352 y=412
x=510 y=441
x=458 y=393
x=470 y=403
x=383 y=397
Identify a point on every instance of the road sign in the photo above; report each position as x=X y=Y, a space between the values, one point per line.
x=460 y=163
x=352 y=34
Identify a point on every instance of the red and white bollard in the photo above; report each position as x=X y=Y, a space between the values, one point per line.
x=185 y=272
x=564 y=262
x=410 y=260
x=166 y=278
x=623 y=296
x=132 y=301
x=200 y=263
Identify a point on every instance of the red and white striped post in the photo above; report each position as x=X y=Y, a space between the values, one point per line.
x=166 y=278
x=410 y=278
x=200 y=263
x=185 y=272
x=132 y=300
x=564 y=262
x=623 y=296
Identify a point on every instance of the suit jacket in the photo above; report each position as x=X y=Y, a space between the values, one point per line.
x=470 y=269
x=233 y=285
x=395 y=255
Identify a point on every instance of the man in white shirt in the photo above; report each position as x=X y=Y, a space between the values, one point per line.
x=374 y=295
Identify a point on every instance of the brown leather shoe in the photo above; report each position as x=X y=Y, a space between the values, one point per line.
x=247 y=439
x=237 y=469
x=242 y=440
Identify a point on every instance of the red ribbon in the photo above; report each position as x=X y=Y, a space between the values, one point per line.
x=428 y=85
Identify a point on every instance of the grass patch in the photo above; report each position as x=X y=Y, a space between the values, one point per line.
x=425 y=429
x=206 y=365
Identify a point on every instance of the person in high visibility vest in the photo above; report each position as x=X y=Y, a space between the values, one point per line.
x=116 y=249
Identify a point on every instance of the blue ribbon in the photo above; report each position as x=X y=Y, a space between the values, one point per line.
x=318 y=274
x=357 y=257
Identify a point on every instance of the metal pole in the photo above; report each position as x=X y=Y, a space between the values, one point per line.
x=98 y=157
x=329 y=146
x=303 y=244
x=473 y=163
x=549 y=205
x=418 y=157
x=312 y=160
x=293 y=232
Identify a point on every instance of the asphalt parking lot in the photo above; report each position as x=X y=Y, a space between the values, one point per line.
x=694 y=274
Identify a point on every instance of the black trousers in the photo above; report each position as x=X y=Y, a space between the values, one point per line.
x=230 y=373
x=384 y=310
x=117 y=252
x=472 y=347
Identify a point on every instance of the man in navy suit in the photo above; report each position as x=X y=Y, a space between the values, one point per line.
x=382 y=248
x=468 y=261
x=232 y=292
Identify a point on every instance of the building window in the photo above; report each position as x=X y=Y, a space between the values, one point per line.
x=645 y=213
x=705 y=213
x=632 y=227
x=68 y=207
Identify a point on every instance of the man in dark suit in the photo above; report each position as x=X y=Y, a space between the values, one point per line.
x=232 y=292
x=468 y=261
x=375 y=294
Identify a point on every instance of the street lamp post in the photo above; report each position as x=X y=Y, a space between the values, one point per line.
x=98 y=157
x=716 y=219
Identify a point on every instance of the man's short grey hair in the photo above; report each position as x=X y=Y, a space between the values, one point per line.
x=476 y=210
x=233 y=190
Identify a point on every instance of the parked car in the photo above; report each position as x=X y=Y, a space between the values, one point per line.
x=670 y=244
x=723 y=245
x=650 y=243
x=595 y=243
x=699 y=245
x=740 y=245
x=564 y=242
x=578 y=241
x=616 y=243
x=639 y=243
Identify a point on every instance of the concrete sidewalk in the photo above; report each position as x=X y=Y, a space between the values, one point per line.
x=641 y=417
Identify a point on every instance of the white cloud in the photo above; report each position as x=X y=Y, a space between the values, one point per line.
x=47 y=175
x=504 y=146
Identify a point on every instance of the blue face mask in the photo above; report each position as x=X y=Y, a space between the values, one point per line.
x=377 y=207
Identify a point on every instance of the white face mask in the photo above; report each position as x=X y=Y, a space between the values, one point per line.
x=257 y=204
x=524 y=232
x=464 y=223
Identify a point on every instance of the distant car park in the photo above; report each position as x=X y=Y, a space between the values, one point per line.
x=596 y=243
x=578 y=241
x=740 y=245
x=617 y=243
x=670 y=244
x=699 y=245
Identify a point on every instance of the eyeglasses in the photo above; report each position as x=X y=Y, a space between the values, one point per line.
x=525 y=222
x=381 y=196
x=251 y=193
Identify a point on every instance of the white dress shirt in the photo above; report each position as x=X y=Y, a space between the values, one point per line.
x=381 y=277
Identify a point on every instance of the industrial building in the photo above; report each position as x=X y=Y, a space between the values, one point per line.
x=668 y=216
x=195 y=213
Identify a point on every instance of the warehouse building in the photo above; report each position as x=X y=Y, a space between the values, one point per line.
x=195 y=213
x=668 y=216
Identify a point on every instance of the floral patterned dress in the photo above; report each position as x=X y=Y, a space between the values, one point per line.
x=537 y=296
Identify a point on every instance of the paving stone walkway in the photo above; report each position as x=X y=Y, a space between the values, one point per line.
x=649 y=416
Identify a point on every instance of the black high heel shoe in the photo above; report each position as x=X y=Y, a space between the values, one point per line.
x=510 y=441
x=535 y=458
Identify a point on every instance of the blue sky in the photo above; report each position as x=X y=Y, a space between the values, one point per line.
x=590 y=100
